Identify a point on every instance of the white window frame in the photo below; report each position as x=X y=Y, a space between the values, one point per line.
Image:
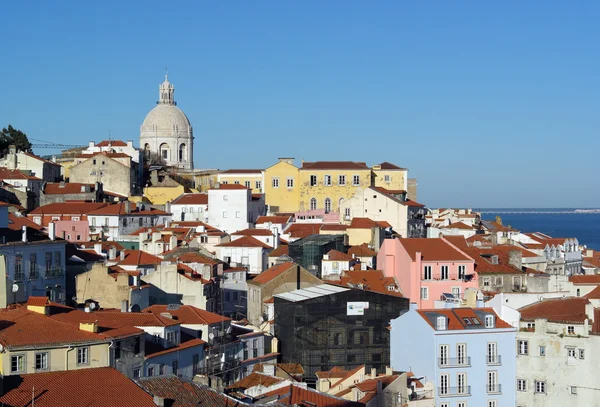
x=542 y=350
x=327 y=181
x=21 y=358
x=444 y=272
x=461 y=354
x=462 y=271
x=290 y=182
x=521 y=384
x=581 y=353
x=540 y=387
x=492 y=382
x=487 y=281
x=427 y=273
x=444 y=384
x=247 y=184
x=313 y=181
x=83 y=355
x=44 y=356
x=522 y=347
x=443 y=355
x=387 y=178
x=424 y=293
x=571 y=352
x=342 y=180
x=275 y=182
x=492 y=353
x=461 y=383
x=356 y=180
x=489 y=321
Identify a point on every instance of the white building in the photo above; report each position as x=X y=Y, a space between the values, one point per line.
x=166 y=131
x=233 y=207
x=334 y=263
x=246 y=252
x=190 y=207
x=272 y=223
x=264 y=235
x=557 y=363
x=114 y=146
x=32 y=164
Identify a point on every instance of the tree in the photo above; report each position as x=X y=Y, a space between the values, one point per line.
x=11 y=136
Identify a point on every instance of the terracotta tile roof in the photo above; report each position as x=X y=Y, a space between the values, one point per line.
x=273 y=219
x=38 y=301
x=230 y=186
x=242 y=171
x=139 y=258
x=186 y=393
x=587 y=279
x=301 y=230
x=22 y=328
x=369 y=280
x=366 y=223
x=297 y=396
x=483 y=263
x=246 y=241
x=591 y=261
x=111 y=143
x=455 y=318
x=410 y=202
x=152 y=350
x=348 y=375
x=389 y=166
x=58 y=188
x=458 y=225
x=273 y=272
x=255 y=379
x=37 y=157
x=291 y=368
x=253 y=232
x=191 y=199
x=334 y=165
x=369 y=386
x=120 y=209
x=15 y=174
x=105 y=245
x=68 y=208
x=458 y=241
x=17 y=222
x=104 y=153
x=594 y=294
x=560 y=310
x=361 y=251
x=335 y=372
x=102 y=386
x=335 y=255
x=187 y=314
x=136 y=319
x=280 y=251
x=192 y=257
x=432 y=249
x=493 y=226
x=329 y=226
x=109 y=326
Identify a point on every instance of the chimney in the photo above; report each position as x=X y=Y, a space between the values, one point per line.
x=289 y=160
x=98 y=248
x=91 y=145
x=217 y=185
x=388 y=371
x=122 y=255
x=275 y=238
x=589 y=253
x=112 y=253
x=62 y=184
x=373 y=373
x=124 y=305
x=89 y=326
x=163 y=402
x=515 y=259
x=127 y=206
x=24 y=237
x=52 y=230
x=168 y=207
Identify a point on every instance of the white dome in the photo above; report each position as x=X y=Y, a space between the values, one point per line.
x=166 y=119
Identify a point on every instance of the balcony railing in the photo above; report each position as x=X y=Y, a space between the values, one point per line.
x=454 y=362
x=446 y=391
x=19 y=276
x=54 y=272
x=493 y=388
x=492 y=359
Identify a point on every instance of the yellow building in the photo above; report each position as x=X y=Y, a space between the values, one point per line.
x=281 y=188
x=252 y=179
x=390 y=176
x=323 y=184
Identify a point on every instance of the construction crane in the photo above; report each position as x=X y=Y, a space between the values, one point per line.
x=52 y=145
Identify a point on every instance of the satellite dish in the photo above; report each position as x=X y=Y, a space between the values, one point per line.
x=211 y=336
x=92 y=306
x=1 y=348
x=87 y=309
x=15 y=288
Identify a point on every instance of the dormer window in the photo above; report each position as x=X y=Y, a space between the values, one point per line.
x=489 y=321
x=441 y=323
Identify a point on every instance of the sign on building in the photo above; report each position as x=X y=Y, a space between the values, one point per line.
x=356 y=308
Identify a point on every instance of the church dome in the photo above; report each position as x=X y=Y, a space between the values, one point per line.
x=166 y=118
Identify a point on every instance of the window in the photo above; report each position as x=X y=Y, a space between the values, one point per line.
x=492 y=403
x=462 y=271
x=161 y=369
x=487 y=281
x=443 y=355
x=578 y=292
x=236 y=182
x=19 y=267
x=258 y=184
x=237 y=214
x=573 y=389
x=461 y=354
x=531 y=325
x=492 y=353
x=489 y=321
x=523 y=348
x=342 y=180
x=571 y=330
x=275 y=182
x=224 y=214
x=327 y=180
x=327 y=205
x=33 y=268
x=521 y=385
x=461 y=404
x=356 y=180
x=441 y=323
x=542 y=351
x=499 y=281
x=456 y=291
x=83 y=356
x=313 y=180
x=444 y=384
x=347 y=212
x=386 y=178
x=136 y=347
x=571 y=352
x=427 y=273
x=581 y=353
x=290 y=182
x=540 y=387
x=461 y=382
x=94 y=162
x=136 y=373
x=124 y=222
x=444 y=273
x=313 y=204
x=17 y=363
x=118 y=350
x=424 y=293
x=48 y=262
x=492 y=382
x=247 y=184
x=150 y=371
x=175 y=366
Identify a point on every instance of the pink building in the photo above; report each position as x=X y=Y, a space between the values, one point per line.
x=73 y=230
x=427 y=268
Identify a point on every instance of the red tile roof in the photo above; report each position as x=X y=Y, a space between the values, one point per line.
x=594 y=294
x=136 y=319
x=389 y=166
x=68 y=208
x=15 y=174
x=455 y=318
x=432 y=250
x=301 y=230
x=273 y=219
x=369 y=280
x=139 y=258
x=335 y=372
x=272 y=273
x=104 y=153
x=242 y=171
x=560 y=310
x=154 y=351
x=483 y=263
x=335 y=255
x=458 y=225
x=191 y=199
x=111 y=143
x=230 y=186
x=587 y=279
x=102 y=386
x=17 y=222
x=255 y=379
x=120 y=209
x=361 y=251
x=297 y=396
x=334 y=165
x=253 y=232
x=329 y=226
x=366 y=223
x=280 y=251
x=38 y=301
x=189 y=315
x=246 y=241
x=457 y=240
x=58 y=188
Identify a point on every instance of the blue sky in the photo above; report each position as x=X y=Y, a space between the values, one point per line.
x=487 y=104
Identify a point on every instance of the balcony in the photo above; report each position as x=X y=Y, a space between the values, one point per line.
x=54 y=272
x=454 y=362
x=493 y=388
x=493 y=359
x=446 y=391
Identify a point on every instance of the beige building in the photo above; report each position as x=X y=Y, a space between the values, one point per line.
x=114 y=170
x=251 y=179
x=280 y=278
x=46 y=170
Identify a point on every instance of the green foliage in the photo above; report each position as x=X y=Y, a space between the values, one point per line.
x=9 y=136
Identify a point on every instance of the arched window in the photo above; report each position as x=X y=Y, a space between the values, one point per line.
x=327 y=205
x=313 y=204
x=164 y=151
x=182 y=152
